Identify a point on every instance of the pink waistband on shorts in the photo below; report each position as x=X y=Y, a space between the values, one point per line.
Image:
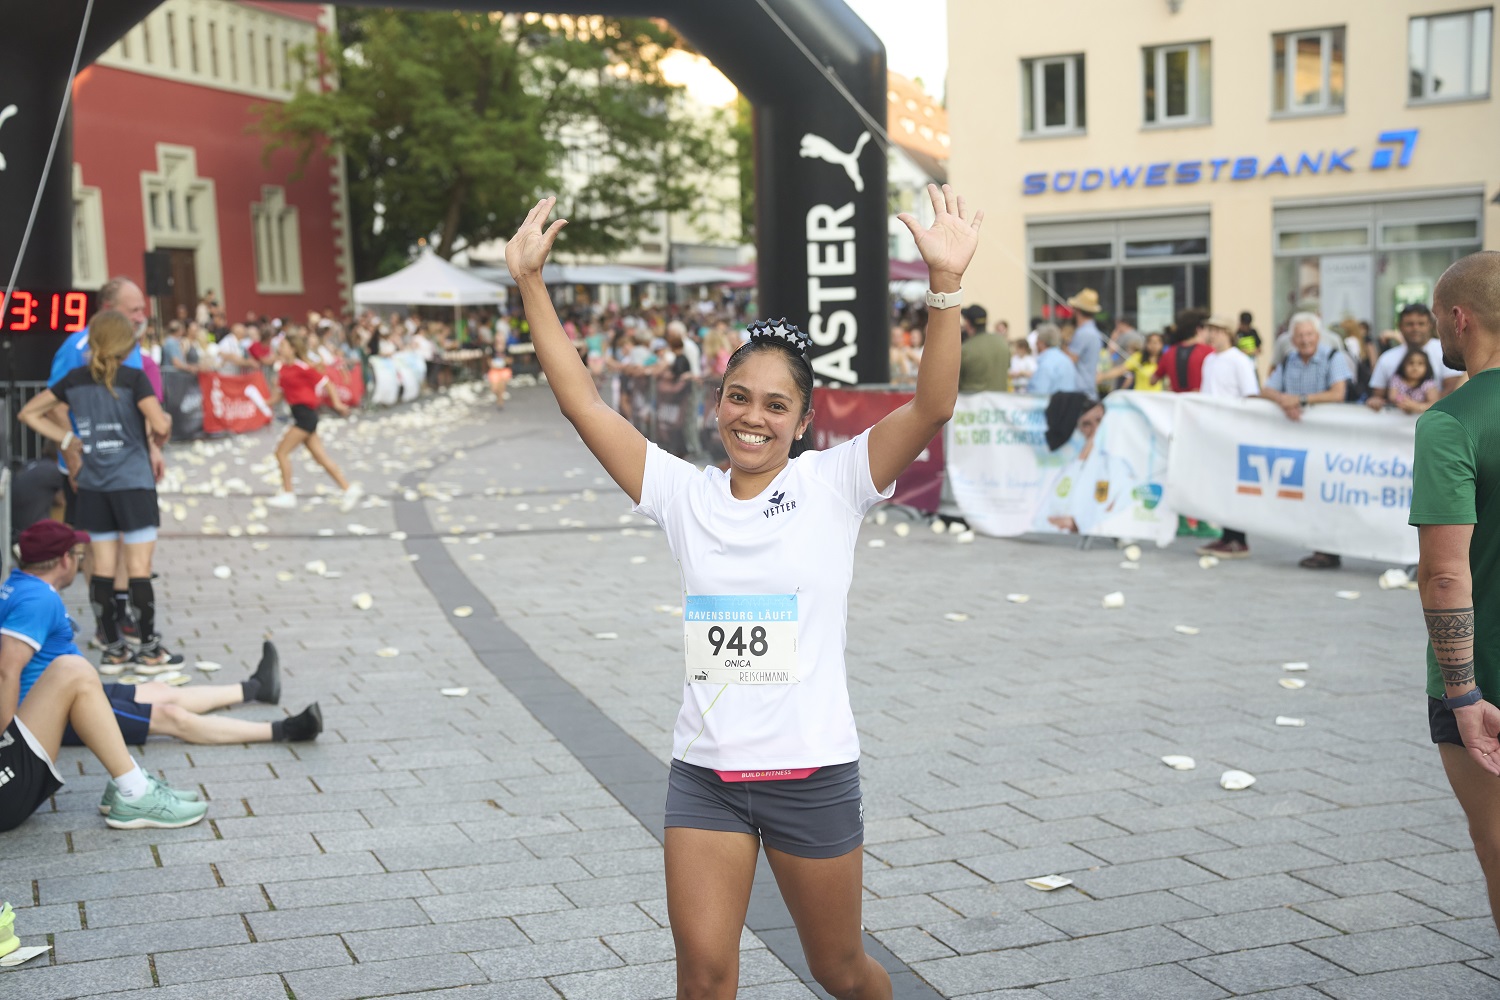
x=779 y=774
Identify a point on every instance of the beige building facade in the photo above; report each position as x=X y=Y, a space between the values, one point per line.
x=1330 y=155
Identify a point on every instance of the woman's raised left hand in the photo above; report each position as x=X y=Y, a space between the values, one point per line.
x=948 y=244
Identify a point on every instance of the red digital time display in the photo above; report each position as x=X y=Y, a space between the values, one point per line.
x=64 y=311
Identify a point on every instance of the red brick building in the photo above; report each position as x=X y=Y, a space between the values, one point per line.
x=165 y=160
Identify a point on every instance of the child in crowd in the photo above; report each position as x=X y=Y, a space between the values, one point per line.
x=304 y=387
x=1415 y=387
x=1022 y=364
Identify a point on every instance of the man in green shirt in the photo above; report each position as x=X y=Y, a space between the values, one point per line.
x=984 y=359
x=1456 y=508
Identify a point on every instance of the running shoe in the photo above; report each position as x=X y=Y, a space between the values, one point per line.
x=116 y=654
x=112 y=794
x=351 y=497
x=283 y=501
x=1225 y=550
x=8 y=940
x=153 y=654
x=159 y=808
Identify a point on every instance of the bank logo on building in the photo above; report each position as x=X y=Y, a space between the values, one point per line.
x=1276 y=472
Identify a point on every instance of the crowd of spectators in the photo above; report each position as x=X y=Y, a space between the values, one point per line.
x=1309 y=365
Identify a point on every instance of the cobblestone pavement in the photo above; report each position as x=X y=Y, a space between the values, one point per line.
x=455 y=847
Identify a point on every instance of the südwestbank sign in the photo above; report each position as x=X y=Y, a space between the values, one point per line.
x=1392 y=149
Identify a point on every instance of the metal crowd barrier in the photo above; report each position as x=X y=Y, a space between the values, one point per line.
x=25 y=443
x=678 y=417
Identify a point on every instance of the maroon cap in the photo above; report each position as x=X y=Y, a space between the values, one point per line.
x=47 y=540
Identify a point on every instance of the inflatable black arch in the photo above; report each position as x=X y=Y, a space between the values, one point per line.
x=820 y=172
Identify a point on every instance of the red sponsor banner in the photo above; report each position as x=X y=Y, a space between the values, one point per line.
x=348 y=383
x=842 y=414
x=234 y=403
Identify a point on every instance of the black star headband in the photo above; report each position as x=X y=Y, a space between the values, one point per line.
x=780 y=330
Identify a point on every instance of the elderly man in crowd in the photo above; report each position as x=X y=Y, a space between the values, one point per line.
x=1309 y=375
x=1055 y=371
x=1416 y=331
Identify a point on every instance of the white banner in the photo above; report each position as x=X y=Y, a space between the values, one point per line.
x=1338 y=480
x=1007 y=482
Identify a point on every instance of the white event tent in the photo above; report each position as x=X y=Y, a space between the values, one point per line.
x=429 y=281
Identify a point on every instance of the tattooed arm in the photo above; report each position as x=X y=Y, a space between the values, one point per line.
x=1447 y=588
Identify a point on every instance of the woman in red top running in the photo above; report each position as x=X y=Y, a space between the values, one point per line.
x=303 y=387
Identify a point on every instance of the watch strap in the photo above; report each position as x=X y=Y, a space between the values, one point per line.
x=944 y=300
x=1468 y=698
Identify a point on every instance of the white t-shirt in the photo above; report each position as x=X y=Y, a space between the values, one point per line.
x=695 y=357
x=1390 y=361
x=802 y=545
x=1229 y=373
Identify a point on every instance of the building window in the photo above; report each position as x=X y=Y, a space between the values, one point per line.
x=1052 y=95
x=270 y=65
x=192 y=28
x=180 y=213
x=89 y=267
x=1177 y=84
x=1450 y=56
x=172 y=39
x=213 y=49
x=234 y=56
x=278 y=256
x=1307 y=72
x=250 y=44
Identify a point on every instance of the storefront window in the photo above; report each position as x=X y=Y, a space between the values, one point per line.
x=1336 y=272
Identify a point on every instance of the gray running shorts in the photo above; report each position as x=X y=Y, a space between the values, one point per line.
x=820 y=816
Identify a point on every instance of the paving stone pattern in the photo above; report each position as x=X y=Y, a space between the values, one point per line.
x=454 y=848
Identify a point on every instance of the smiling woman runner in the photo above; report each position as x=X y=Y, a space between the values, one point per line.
x=765 y=751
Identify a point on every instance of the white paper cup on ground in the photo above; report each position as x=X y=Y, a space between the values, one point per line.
x=1047 y=883
x=1287 y=720
x=1179 y=762
x=1114 y=600
x=1236 y=781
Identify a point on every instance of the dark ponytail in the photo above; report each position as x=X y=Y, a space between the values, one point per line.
x=786 y=339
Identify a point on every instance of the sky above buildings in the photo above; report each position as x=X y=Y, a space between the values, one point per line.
x=915 y=33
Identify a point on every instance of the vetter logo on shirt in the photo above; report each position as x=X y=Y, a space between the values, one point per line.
x=779 y=504
x=1264 y=470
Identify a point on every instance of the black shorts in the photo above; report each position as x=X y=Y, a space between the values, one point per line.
x=116 y=511
x=820 y=816
x=305 y=418
x=133 y=717
x=1443 y=723
x=27 y=775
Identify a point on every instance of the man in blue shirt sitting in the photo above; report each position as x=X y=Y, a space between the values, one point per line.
x=1055 y=371
x=65 y=696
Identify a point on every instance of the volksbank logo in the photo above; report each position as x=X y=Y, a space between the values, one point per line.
x=1265 y=471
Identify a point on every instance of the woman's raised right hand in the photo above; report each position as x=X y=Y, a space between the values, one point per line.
x=527 y=250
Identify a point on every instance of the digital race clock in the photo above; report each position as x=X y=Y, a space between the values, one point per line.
x=65 y=311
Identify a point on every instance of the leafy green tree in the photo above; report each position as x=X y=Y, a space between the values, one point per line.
x=743 y=134
x=453 y=124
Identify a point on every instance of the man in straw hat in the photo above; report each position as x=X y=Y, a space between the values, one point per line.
x=1087 y=341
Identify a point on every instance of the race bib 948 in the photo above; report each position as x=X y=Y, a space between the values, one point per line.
x=740 y=639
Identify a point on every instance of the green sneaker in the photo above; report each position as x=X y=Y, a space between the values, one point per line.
x=112 y=794
x=159 y=808
x=8 y=940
